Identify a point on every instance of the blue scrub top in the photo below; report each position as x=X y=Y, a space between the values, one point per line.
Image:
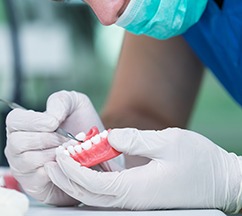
x=217 y=40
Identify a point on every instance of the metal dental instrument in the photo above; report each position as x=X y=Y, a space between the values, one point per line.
x=11 y=105
x=66 y=134
x=60 y=131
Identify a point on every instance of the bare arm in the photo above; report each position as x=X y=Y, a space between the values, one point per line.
x=155 y=86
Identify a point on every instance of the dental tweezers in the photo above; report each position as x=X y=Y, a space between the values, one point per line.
x=60 y=131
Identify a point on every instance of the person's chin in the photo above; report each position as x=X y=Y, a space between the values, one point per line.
x=108 y=11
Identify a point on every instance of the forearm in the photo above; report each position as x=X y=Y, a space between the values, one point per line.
x=155 y=84
x=132 y=118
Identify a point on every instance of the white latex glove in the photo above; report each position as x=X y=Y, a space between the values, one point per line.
x=31 y=141
x=13 y=203
x=186 y=171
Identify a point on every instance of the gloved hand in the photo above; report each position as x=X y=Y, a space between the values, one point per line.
x=186 y=171
x=13 y=203
x=31 y=141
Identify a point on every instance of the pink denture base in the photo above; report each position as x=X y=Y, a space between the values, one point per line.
x=99 y=153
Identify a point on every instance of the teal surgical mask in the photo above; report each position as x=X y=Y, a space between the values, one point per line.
x=161 y=19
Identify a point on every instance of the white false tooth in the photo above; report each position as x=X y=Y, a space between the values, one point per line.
x=71 y=150
x=81 y=136
x=96 y=139
x=60 y=149
x=104 y=134
x=87 y=145
x=65 y=145
x=78 y=148
x=66 y=153
x=72 y=142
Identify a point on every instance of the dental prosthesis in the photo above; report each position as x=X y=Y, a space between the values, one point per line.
x=7 y=180
x=93 y=150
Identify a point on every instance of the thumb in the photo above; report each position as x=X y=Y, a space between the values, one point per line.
x=75 y=109
x=146 y=143
x=60 y=104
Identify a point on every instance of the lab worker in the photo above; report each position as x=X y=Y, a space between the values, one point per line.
x=167 y=45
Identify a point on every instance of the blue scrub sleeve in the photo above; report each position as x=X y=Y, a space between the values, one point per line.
x=217 y=40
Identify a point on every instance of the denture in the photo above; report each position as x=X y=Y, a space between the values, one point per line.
x=94 y=149
x=8 y=181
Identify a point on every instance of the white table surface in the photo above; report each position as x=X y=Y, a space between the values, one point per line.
x=43 y=210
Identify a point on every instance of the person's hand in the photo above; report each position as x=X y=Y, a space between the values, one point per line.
x=31 y=142
x=186 y=171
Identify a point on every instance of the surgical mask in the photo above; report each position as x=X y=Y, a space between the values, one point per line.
x=161 y=19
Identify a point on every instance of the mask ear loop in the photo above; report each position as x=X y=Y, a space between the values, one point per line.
x=130 y=13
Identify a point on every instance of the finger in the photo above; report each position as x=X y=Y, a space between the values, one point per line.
x=73 y=108
x=39 y=185
x=28 y=120
x=29 y=161
x=59 y=104
x=36 y=184
x=63 y=103
x=76 y=191
x=19 y=142
x=32 y=181
x=146 y=143
x=111 y=165
x=95 y=182
x=121 y=186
